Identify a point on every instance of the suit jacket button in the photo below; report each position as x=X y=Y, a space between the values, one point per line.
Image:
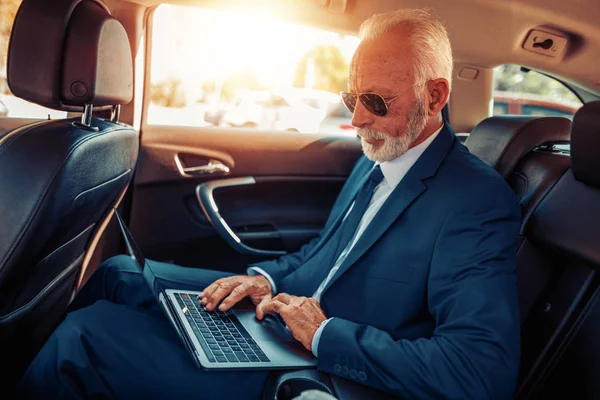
x=337 y=368
x=345 y=370
x=353 y=373
x=362 y=376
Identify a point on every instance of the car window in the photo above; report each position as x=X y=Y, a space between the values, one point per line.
x=204 y=73
x=10 y=105
x=523 y=92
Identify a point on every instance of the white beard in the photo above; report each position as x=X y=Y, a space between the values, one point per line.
x=395 y=147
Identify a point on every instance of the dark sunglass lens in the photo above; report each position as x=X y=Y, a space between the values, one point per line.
x=374 y=103
x=349 y=100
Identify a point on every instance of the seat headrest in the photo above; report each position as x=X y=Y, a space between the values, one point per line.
x=585 y=144
x=502 y=141
x=64 y=54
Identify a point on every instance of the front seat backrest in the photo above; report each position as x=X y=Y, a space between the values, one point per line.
x=61 y=178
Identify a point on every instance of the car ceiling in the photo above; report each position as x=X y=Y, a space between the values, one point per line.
x=484 y=33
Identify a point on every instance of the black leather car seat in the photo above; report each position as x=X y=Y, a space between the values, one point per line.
x=563 y=239
x=521 y=149
x=59 y=179
x=502 y=141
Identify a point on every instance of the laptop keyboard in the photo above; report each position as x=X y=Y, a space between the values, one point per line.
x=221 y=335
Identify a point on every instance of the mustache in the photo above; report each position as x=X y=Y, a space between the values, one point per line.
x=370 y=133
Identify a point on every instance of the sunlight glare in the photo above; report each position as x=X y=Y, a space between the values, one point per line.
x=212 y=44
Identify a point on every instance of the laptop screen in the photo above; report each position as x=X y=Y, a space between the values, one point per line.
x=132 y=248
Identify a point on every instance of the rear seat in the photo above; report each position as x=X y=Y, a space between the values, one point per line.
x=559 y=254
x=515 y=146
x=563 y=238
x=520 y=149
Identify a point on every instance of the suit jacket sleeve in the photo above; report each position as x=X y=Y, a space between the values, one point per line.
x=285 y=265
x=472 y=296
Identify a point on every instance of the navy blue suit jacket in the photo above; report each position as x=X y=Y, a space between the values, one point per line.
x=425 y=304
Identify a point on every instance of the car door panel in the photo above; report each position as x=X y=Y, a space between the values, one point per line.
x=295 y=180
x=287 y=153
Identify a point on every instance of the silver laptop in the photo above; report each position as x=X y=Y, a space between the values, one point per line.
x=223 y=340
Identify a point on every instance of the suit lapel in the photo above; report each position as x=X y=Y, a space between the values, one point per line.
x=407 y=191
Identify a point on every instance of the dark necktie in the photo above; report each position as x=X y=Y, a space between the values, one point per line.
x=328 y=255
x=361 y=203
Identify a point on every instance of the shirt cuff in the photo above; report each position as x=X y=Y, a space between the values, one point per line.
x=256 y=270
x=315 y=341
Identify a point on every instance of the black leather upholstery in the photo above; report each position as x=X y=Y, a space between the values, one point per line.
x=575 y=375
x=562 y=249
x=511 y=144
x=503 y=141
x=585 y=143
x=568 y=219
x=59 y=179
x=69 y=53
x=534 y=176
x=532 y=180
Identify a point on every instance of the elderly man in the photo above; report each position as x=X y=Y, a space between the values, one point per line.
x=410 y=286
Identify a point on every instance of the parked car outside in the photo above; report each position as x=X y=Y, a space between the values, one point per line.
x=214 y=114
x=297 y=110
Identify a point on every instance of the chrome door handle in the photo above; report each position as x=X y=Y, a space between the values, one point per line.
x=204 y=194
x=214 y=167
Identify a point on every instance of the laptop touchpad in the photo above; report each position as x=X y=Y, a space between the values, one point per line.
x=268 y=329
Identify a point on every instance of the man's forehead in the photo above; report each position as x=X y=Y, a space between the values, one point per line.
x=392 y=67
x=380 y=60
x=368 y=74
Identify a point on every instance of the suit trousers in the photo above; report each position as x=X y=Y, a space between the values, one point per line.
x=117 y=343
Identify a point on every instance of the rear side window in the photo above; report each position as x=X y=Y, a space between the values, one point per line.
x=10 y=105
x=523 y=92
x=232 y=70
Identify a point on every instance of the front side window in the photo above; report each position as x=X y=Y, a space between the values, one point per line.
x=229 y=70
x=522 y=92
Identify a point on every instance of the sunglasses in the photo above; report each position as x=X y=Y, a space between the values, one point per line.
x=373 y=102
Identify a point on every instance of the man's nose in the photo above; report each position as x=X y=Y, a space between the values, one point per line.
x=361 y=116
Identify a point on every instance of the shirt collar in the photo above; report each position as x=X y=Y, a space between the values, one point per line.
x=394 y=170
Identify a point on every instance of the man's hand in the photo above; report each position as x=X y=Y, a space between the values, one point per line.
x=302 y=315
x=235 y=288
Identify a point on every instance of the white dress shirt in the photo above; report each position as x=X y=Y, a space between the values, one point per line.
x=393 y=172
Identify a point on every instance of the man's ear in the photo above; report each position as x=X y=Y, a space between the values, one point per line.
x=439 y=92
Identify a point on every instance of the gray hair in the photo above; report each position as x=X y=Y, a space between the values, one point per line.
x=432 y=53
